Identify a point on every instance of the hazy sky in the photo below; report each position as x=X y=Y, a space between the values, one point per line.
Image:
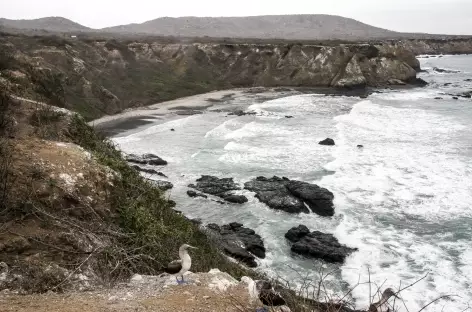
x=433 y=16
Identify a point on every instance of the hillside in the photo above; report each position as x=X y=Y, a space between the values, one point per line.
x=274 y=26
x=52 y=24
x=293 y=27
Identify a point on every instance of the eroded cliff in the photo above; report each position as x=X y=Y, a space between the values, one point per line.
x=97 y=78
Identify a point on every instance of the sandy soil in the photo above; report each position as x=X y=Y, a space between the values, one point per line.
x=150 y=295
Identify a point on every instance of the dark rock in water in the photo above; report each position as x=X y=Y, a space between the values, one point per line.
x=360 y=146
x=149 y=170
x=195 y=194
x=468 y=80
x=237 y=199
x=466 y=95
x=149 y=159
x=296 y=233
x=292 y=196
x=132 y=158
x=418 y=82
x=274 y=193
x=282 y=89
x=455 y=98
x=241 y=113
x=447 y=84
x=317 y=245
x=438 y=98
x=288 y=116
x=363 y=96
x=446 y=71
x=320 y=200
x=163 y=185
x=146 y=170
x=154 y=160
x=171 y=203
x=172 y=129
x=327 y=141
x=215 y=186
x=219 y=187
x=239 y=242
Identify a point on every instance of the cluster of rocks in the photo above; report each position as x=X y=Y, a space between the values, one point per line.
x=241 y=113
x=146 y=159
x=292 y=196
x=317 y=245
x=239 y=242
x=149 y=171
x=152 y=160
x=222 y=188
x=445 y=71
x=465 y=95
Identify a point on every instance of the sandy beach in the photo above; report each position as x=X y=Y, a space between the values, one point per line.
x=137 y=117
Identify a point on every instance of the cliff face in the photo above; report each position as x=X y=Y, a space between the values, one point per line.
x=432 y=46
x=105 y=77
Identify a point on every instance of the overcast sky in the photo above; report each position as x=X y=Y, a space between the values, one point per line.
x=432 y=16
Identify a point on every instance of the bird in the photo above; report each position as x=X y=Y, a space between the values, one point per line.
x=382 y=304
x=180 y=267
x=265 y=292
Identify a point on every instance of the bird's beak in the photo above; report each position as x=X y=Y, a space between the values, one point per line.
x=192 y=247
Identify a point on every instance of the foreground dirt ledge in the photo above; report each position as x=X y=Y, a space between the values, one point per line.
x=212 y=291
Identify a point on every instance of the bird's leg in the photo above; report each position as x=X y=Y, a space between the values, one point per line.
x=178 y=282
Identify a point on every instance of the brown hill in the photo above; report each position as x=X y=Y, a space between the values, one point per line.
x=53 y=24
x=271 y=26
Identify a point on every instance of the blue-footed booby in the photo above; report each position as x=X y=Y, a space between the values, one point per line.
x=180 y=267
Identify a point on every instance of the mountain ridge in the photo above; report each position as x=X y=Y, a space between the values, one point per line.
x=51 y=23
x=299 y=27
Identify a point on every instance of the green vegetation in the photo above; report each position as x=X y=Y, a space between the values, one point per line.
x=153 y=231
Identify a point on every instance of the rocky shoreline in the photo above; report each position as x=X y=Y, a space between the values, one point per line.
x=290 y=196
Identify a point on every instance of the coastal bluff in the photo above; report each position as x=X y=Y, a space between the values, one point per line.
x=114 y=75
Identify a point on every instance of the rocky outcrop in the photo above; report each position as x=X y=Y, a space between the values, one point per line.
x=239 y=242
x=317 y=245
x=146 y=159
x=219 y=187
x=292 y=196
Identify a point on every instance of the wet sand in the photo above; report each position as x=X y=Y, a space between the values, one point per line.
x=227 y=100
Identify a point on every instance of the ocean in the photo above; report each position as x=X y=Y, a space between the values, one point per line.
x=404 y=199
